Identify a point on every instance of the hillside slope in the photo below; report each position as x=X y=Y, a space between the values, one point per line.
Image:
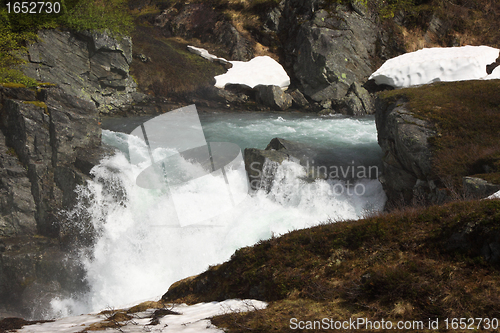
x=416 y=264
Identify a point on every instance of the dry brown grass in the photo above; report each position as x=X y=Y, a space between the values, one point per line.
x=397 y=266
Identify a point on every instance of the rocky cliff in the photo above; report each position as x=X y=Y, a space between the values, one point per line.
x=439 y=142
x=49 y=141
x=407 y=166
x=89 y=65
x=325 y=47
x=329 y=47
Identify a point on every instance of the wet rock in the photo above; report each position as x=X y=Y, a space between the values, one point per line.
x=326 y=112
x=261 y=165
x=33 y=270
x=298 y=99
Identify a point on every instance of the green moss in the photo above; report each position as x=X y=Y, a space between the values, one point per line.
x=15 y=78
x=12 y=152
x=18 y=29
x=40 y=105
x=13 y=85
x=46 y=84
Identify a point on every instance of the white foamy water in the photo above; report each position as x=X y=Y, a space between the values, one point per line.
x=141 y=249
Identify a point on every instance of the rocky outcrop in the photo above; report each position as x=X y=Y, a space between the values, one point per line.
x=45 y=135
x=261 y=164
x=91 y=66
x=200 y=20
x=274 y=97
x=407 y=175
x=17 y=206
x=357 y=102
x=478 y=188
x=325 y=47
x=328 y=46
x=49 y=141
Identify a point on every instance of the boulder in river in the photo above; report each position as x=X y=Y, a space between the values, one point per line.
x=273 y=96
x=261 y=164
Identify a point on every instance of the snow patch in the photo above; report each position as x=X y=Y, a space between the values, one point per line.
x=204 y=54
x=495 y=195
x=192 y=318
x=260 y=70
x=438 y=64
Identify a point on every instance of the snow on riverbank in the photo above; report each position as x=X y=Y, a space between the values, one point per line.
x=438 y=64
x=186 y=319
x=260 y=70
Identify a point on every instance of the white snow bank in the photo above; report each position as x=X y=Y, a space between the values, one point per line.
x=495 y=195
x=193 y=319
x=438 y=64
x=260 y=70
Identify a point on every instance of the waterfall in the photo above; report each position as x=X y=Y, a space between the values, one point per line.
x=139 y=248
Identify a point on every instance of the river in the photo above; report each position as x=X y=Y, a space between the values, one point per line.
x=138 y=250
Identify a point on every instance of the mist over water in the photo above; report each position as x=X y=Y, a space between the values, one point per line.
x=140 y=249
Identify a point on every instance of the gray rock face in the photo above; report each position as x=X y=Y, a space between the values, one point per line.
x=329 y=48
x=34 y=270
x=357 y=102
x=91 y=66
x=299 y=101
x=17 y=207
x=200 y=20
x=477 y=188
x=45 y=137
x=49 y=141
x=407 y=172
x=274 y=97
